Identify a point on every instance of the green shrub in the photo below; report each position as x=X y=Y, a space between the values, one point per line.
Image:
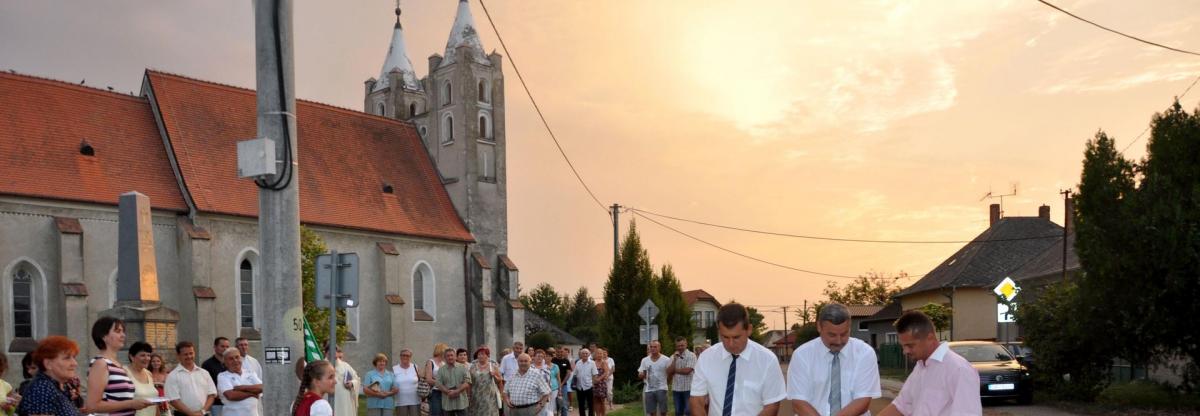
x=626 y=393
x=541 y=341
x=1139 y=394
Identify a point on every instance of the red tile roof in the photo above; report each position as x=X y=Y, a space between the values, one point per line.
x=345 y=159
x=692 y=296
x=44 y=122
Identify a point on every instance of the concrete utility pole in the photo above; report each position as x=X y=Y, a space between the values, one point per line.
x=787 y=331
x=616 y=219
x=1066 y=193
x=279 y=207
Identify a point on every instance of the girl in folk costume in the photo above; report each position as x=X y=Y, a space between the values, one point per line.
x=318 y=380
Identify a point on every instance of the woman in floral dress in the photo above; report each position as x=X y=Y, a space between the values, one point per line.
x=600 y=383
x=485 y=378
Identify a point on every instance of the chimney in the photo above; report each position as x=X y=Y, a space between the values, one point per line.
x=1069 y=214
x=1044 y=212
x=993 y=214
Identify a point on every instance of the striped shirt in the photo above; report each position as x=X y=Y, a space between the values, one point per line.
x=119 y=387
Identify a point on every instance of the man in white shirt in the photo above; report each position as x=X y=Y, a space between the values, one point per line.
x=737 y=376
x=833 y=374
x=653 y=369
x=249 y=364
x=585 y=370
x=508 y=364
x=239 y=389
x=189 y=387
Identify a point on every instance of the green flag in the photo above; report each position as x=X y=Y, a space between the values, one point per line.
x=312 y=352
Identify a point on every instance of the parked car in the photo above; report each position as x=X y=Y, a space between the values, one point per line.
x=1000 y=375
x=1020 y=351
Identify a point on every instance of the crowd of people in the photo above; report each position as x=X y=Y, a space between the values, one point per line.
x=832 y=374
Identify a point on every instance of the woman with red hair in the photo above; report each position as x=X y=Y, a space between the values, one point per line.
x=485 y=392
x=45 y=395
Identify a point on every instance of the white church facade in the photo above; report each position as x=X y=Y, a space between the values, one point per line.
x=415 y=185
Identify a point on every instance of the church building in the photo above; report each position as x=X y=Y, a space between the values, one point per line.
x=415 y=185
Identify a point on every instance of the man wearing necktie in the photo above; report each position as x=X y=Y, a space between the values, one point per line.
x=737 y=376
x=833 y=374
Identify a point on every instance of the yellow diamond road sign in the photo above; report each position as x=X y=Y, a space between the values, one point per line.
x=1007 y=289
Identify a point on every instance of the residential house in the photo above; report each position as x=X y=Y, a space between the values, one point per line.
x=879 y=325
x=704 y=308
x=858 y=316
x=1019 y=247
x=535 y=323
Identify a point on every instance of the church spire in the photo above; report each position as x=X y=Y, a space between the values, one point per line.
x=463 y=33
x=397 y=60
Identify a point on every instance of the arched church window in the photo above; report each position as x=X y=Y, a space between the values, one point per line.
x=423 y=287
x=246 y=294
x=22 y=303
x=484 y=91
x=412 y=110
x=447 y=93
x=380 y=109
x=485 y=127
x=487 y=162
x=447 y=129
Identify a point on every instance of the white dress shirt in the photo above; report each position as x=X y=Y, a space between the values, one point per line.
x=226 y=381
x=250 y=364
x=808 y=373
x=191 y=387
x=508 y=366
x=758 y=382
x=584 y=371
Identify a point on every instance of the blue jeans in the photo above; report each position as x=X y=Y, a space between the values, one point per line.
x=681 y=401
x=564 y=400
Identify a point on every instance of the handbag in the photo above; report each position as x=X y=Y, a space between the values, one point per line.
x=423 y=387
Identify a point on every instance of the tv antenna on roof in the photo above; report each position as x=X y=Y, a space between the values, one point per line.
x=991 y=195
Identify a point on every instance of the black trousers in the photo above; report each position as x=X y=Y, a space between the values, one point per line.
x=585 y=402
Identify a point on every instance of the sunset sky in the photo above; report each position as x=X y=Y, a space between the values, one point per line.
x=874 y=120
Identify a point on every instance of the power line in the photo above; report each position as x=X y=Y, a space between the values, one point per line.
x=538 y=108
x=1116 y=31
x=743 y=255
x=1143 y=133
x=842 y=239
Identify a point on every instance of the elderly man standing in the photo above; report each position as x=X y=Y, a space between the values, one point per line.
x=737 y=376
x=508 y=364
x=249 y=364
x=238 y=388
x=683 y=363
x=189 y=387
x=833 y=374
x=585 y=371
x=526 y=393
x=453 y=381
x=942 y=382
x=653 y=369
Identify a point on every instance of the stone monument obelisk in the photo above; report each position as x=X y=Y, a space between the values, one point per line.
x=138 y=304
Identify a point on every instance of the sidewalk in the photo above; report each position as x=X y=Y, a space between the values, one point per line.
x=890 y=387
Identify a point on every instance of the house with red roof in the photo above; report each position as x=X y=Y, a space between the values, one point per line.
x=704 y=308
x=415 y=185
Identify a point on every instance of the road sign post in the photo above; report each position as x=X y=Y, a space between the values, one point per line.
x=1007 y=290
x=337 y=286
x=649 y=331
